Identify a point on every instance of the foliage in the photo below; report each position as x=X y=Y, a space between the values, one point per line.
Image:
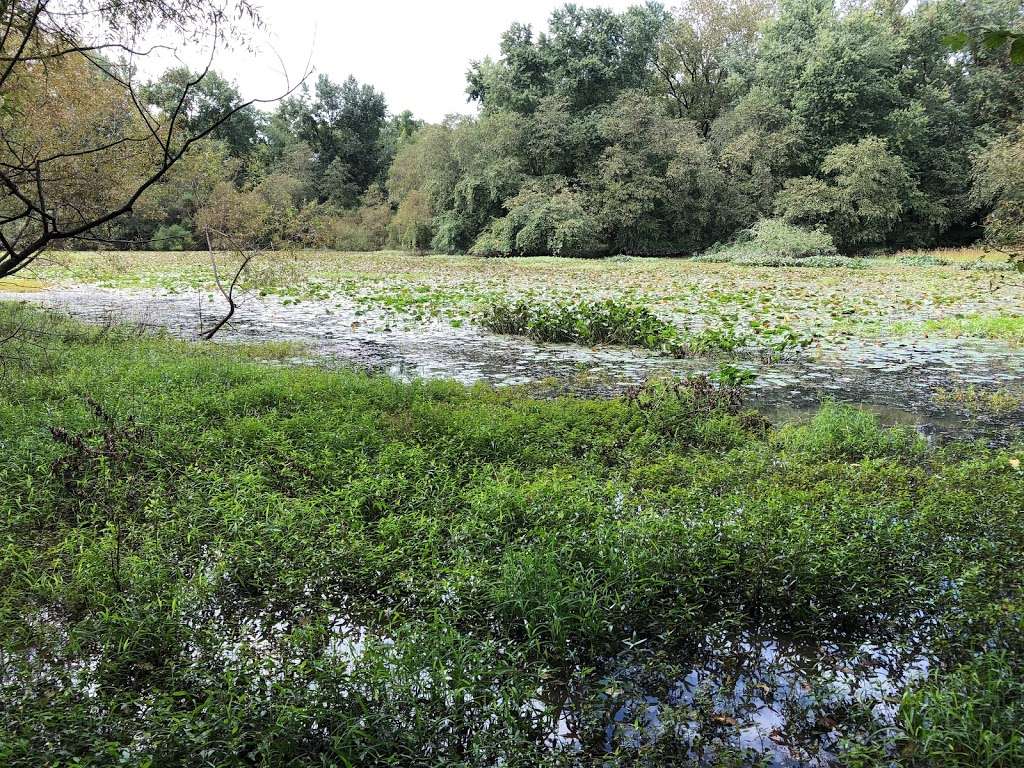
x=173 y=237
x=773 y=240
x=540 y=222
x=81 y=143
x=999 y=187
x=209 y=560
x=967 y=718
x=645 y=132
x=604 y=322
x=860 y=200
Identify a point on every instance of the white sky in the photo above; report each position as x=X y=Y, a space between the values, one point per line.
x=415 y=51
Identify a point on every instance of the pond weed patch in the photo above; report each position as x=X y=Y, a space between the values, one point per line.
x=297 y=565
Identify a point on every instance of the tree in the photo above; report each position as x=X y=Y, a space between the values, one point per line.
x=203 y=103
x=862 y=195
x=588 y=56
x=80 y=147
x=999 y=189
x=187 y=188
x=701 y=51
x=342 y=125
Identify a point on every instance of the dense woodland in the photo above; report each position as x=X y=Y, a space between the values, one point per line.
x=645 y=132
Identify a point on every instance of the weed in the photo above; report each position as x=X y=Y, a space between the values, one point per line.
x=604 y=322
x=325 y=567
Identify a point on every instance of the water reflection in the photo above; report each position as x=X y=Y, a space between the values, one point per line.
x=897 y=379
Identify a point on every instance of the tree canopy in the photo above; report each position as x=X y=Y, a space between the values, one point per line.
x=646 y=131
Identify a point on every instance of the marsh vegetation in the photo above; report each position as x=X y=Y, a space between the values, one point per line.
x=207 y=555
x=739 y=484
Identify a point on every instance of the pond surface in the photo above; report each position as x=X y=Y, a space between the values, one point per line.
x=896 y=378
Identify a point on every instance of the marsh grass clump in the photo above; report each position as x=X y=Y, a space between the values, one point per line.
x=607 y=321
x=981 y=400
x=921 y=260
x=844 y=432
x=278 y=565
x=1001 y=327
x=967 y=718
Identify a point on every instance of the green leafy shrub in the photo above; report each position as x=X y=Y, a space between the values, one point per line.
x=541 y=223
x=921 y=260
x=772 y=242
x=173 y=237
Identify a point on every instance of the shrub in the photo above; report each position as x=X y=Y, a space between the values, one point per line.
x=921 y=260
x=173 y=237
x=772 y=242
x=411 y=226
x=363 y=229
x=599 y=322
x=542 y=223
x=865 y=192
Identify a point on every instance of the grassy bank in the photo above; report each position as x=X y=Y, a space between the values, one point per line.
x=209 y=560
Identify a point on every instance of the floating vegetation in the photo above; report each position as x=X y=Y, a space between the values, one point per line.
x=981 y=400
x=607 y=321
x=21 y=285
x=1002 y=327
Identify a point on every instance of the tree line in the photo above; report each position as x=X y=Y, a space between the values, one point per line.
x=648 y=131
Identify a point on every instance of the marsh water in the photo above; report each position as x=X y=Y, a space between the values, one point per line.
x=895 y=378
x=782 y=702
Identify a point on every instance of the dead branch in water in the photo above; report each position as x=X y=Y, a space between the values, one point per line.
x=228 y=293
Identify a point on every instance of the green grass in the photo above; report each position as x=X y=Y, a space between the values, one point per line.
x=1009 y=328
x=209 y=560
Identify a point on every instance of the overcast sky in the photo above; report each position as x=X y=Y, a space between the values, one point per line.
x=415 y=51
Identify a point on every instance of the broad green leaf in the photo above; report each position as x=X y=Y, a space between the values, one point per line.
x=995 y=39
x=957 y=41
x=1017 y=50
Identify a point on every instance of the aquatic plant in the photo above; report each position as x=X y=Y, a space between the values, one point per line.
x=292 y=566
x=607 y=321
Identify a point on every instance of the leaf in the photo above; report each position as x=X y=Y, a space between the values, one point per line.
x=1017 y=50
x=995 y=39
x=957 y=41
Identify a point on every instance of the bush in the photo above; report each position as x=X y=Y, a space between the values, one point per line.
x=362 y=229
x=539 y=224
x=773 y=243
x=173 y=237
